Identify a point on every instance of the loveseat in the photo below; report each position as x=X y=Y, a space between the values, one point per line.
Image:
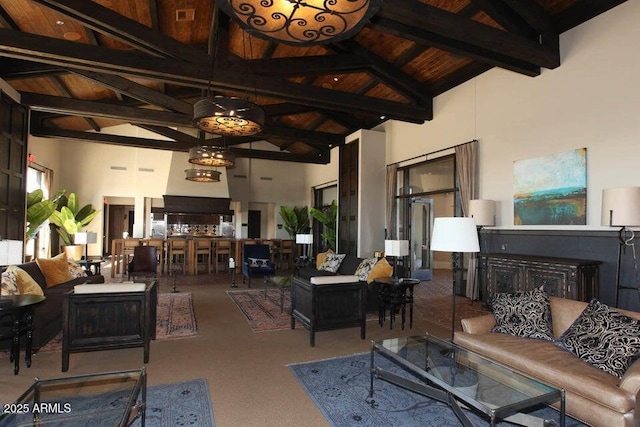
x=348 y=267
x=47 y=316
x=593 y=395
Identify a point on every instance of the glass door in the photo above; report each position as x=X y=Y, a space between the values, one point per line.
x=420 y=257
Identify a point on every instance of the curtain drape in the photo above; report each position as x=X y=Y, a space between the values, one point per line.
x=467 y=174
x=392 y=183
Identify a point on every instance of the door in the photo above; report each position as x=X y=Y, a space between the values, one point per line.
x=253 y=229
x=420 y=227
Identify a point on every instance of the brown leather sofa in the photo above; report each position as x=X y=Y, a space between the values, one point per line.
x=592 y=395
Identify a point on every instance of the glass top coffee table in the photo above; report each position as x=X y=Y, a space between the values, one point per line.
x=448 y=373
x=106 y=399
x=282 y=282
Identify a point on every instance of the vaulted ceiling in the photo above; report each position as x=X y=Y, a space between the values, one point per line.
x=82 y=66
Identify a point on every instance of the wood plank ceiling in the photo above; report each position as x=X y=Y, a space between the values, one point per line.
x=81 y=66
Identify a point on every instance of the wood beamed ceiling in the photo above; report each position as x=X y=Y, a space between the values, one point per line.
x=81 y=66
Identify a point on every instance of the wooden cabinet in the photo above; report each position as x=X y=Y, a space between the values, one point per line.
x=328 y=307
x=563 y=277
x=110 y=320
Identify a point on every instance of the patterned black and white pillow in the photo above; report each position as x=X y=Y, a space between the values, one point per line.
x=604 y=337
x=258 y=262
x=365 y=268
x=332 y=262
x=523 y=314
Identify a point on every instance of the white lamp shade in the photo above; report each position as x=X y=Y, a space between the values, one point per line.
x=304 y=239
x=10 y=252
x=621 y=206
x=82 y=238
x=396 y=247
x=483 y=212
x=454 y=234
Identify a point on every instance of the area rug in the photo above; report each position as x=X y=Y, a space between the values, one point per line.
x=263 y=314
x=177 y=404
x=340 y=389
x=175 y=319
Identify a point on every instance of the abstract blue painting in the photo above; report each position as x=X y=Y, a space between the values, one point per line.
x=551 y=190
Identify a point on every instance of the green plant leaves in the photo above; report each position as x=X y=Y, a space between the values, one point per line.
x=296 y=219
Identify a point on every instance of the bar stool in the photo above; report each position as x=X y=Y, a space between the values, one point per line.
x=286 y=252
x=177 y=252
x=202 y=251
x=223 y=249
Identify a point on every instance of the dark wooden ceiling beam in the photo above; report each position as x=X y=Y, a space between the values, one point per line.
x=55 y=104
x=303 y=65
x=581 y=12
x=432 y=26
x=536 y=17
x=390 y=75
x=137 y=91
x=505 y=17
x=82 y=108
x=459 y=48
x=64 y=134
x=108 y=22
x=65 y=91
x=76 y=55
x=11 y=69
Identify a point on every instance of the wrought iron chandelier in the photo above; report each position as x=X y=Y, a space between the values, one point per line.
x=229 y=116
x=301 y=22
x=211 y=155
x=202 y=175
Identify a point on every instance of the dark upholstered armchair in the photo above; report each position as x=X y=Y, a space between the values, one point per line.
x=144 y=263
x=257 y=262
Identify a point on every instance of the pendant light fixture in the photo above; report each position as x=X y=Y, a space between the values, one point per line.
x=301 y=22
x=202 y=175
x=228 y=115
x=231 y=116
x=211 y=155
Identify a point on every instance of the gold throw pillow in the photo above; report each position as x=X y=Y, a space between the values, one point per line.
x=24 y=282
x=381 y=269
x=321 y=256
x=55 y=270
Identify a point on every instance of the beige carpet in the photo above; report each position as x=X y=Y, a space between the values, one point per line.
x=247 y=373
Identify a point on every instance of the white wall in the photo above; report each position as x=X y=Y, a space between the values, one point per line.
x=590 y=101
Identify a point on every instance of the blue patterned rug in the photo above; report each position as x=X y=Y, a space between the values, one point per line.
x=177 y=404
x=340 y=389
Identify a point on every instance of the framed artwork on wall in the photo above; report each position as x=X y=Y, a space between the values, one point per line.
x=551 y=190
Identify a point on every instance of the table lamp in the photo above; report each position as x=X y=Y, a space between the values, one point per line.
x=455 y=235
x=396 y=248
x=84 y=238
x=305 y=240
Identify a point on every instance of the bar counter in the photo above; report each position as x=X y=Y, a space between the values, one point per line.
x=122 y=248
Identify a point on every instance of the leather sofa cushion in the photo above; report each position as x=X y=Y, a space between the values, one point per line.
x=545 y=361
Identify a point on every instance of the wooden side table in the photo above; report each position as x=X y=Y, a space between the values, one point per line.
x=16 y=316
x=392 y=294
x=109 y=320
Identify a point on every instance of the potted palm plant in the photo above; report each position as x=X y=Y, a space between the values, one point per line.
x=68 y=219
x=296 y=219
x=39 y=210
x=328 y=217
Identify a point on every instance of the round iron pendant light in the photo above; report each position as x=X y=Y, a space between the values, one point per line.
x=229 y=116
x=202 y=175
x=211 y=155
x=301 y=22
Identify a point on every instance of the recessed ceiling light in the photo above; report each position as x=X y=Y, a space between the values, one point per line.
x=59 y=22
x=383 y=117
x=335 y=79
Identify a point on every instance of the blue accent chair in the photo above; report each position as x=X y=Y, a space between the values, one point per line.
x=257 y=262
